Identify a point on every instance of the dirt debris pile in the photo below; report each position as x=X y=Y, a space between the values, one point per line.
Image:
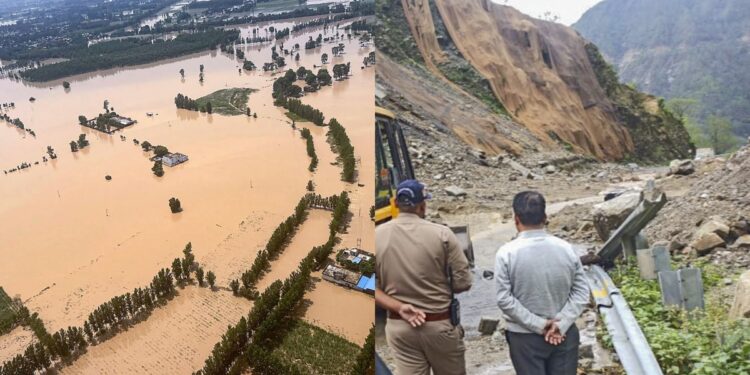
x=713 y=218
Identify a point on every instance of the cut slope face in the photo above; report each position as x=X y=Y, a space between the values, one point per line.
x=540 y=72
x=542 y=75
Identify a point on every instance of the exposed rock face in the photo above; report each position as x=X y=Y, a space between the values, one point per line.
x=741 y=305
x=543 y=75
x=611 y=214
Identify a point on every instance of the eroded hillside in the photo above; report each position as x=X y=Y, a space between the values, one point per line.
x=539 y=74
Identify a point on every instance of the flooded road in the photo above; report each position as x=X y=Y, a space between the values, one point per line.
x=72 y=240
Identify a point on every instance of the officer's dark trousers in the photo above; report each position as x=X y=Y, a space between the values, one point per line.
x=531 y=355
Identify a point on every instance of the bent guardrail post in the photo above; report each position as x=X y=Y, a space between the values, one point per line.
x=626 y=233
x=631 y=345
x=635 y=354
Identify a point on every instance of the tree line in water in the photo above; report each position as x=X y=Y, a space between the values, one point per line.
x=184 y=102
x=310 y=149
x=340 y=143
x=127 y=52
x=17 y=123
x=305 y=111
x=107 y=318
x=252 y=339
x=276 y=244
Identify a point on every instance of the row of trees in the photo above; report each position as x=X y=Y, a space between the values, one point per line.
x=322 y=22
x=341 y=144
x=184 y=102
x=305 y=111
x=17 y=123
x=310 y=149
x=283 y=33
x=131 y=51
x=249 y=342
x=276 y=244
x=107 y=317
x=39 y=356
x=361 y=25
x=125 y=308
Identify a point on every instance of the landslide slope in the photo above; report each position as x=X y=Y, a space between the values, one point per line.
x=542 y=75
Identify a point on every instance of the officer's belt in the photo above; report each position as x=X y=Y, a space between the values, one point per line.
x=428 y=317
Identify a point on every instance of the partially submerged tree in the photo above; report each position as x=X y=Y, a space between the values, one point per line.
x=174 y=205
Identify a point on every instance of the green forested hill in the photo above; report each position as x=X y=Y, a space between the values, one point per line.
x=697 y=49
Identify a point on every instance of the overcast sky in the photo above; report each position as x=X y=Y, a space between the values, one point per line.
x=568 y=11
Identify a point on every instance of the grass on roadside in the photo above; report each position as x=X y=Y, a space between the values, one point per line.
x=700 y=343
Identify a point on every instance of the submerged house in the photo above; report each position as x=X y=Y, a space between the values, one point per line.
x=172 y=159
x=349 y=279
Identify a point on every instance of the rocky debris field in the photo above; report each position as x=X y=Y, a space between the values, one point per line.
x=462 y=179
x=712 y=219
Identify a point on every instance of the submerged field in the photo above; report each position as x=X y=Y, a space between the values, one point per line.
x=312 y=350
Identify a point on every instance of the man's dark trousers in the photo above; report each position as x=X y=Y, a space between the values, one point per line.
x=531 y=355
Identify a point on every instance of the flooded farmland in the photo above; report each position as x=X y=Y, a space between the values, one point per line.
x=73 y=239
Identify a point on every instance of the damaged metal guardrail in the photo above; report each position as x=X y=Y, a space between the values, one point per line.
x=627 y=233
x=632 y=348
x=631 y=345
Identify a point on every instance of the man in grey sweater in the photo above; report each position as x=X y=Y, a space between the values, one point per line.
x=541 y=290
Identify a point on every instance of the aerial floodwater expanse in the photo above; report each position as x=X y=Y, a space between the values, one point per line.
x=94 y=243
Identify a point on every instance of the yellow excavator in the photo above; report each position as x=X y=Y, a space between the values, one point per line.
x=393 y=165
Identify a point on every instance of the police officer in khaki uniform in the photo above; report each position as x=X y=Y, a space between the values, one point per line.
x=413 y=256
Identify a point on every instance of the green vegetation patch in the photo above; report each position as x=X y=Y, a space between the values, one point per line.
x=392 y=34
x=8 y=315
x=705 y=342
x=462 y=73
x=658 y=135
x=312 y=350
x=295 y=117
x=231 y=102
x=459 y=71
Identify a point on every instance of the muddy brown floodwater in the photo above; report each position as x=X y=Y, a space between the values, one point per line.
x=72 y=240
